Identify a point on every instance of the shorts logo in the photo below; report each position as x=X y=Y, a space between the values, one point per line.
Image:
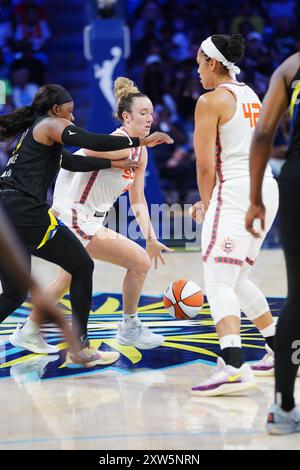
x=228 y=245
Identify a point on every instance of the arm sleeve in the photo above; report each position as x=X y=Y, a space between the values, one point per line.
x=83 y=164
x=73 y=135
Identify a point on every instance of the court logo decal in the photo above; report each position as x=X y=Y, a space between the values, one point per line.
x=186 y=341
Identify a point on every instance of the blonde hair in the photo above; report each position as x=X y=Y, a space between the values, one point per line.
x=125 y=91
x=124 y=87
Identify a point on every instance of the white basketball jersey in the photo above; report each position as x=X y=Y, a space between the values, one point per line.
x=95 y=190
x=235 y=136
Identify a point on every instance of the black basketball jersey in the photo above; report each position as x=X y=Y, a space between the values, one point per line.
x=30 y=170
x=294 y=100
x=32 y=166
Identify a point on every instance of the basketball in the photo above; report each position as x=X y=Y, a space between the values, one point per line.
x=183 y=299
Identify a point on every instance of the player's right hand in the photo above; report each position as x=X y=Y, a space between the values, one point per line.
x=255 y=212
x=197 y=212
x=155 y=139
x=124 y=164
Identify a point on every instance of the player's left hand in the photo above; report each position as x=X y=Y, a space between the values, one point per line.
x=154 y=249
x=255 y=211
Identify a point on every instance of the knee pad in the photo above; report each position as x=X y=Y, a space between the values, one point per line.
x=252 y=301
x=223 y=301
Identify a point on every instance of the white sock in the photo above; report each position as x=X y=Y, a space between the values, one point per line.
x=268 y=331
x=130 y=319
x=278 y=399
x=230 y=341
x=30 y=327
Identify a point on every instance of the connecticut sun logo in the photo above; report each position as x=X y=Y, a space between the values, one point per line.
x=186 y=341
x=228 y=245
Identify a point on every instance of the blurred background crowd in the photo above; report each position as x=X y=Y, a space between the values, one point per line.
x=166 y=35
x=24 y=33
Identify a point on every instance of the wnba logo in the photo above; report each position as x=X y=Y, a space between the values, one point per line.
x=104 y=74
x=2 y=92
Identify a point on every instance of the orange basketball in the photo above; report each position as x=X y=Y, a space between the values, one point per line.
x=183 y=299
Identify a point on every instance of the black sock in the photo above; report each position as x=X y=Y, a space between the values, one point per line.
x=233 y=357
x=270 y=342
x=287 y=402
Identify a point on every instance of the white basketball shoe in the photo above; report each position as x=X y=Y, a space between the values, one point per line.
x=283 y=422
x=226 y=380
x=31 y=341
x=138 y=335
x=266 y=366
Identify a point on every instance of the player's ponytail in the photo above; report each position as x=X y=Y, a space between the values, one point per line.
x=236 y=47
x=18 y=121
x=125 y=91
x=124 y=87
x=232 y=47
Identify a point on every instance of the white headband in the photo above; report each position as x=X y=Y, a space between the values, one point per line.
x=213 y=52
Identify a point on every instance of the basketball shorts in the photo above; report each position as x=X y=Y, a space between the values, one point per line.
x=226 y=244
x=84 y=225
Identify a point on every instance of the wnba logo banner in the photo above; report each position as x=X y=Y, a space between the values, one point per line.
x=105 y=47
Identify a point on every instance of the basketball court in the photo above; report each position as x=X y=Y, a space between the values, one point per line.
x=143 y=401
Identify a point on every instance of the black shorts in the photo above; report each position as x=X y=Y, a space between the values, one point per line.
x=23 y=209
x=31 y=220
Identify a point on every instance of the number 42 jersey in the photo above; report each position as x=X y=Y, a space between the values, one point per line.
x=235 y=136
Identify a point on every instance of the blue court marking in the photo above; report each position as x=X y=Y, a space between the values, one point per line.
x=101 y=437
x=10 y=352
x=131 y=372
x=191 y=342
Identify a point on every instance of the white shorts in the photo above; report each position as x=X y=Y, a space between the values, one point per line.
x=226 y=244
x=84 y=225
